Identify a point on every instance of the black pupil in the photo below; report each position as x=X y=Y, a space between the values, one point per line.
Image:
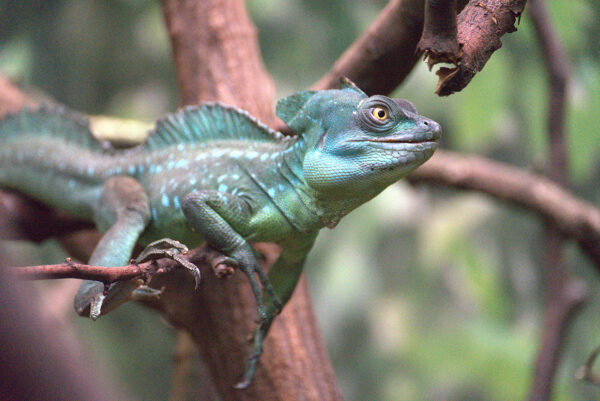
x=380 y=113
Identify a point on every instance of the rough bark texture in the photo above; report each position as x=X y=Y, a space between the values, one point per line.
x=481 y=24
x=217 y=58
x=439 y=41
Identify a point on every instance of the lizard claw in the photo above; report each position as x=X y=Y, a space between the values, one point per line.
x=163 y=248
x=169 y=248
x=96 y=306
x=191 y=267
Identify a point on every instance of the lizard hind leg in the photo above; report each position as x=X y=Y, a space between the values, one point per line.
x=123 y=212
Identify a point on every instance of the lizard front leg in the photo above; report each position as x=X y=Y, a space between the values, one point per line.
x=212 y=213
x=123 y=208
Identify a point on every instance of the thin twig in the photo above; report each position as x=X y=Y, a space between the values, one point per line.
x=113 y=274
x=586 y=372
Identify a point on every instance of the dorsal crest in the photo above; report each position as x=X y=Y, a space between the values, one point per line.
x=208 y=122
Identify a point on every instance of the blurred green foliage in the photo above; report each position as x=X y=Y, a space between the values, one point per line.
x=424 y=293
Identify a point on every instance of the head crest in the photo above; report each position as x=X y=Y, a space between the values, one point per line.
x=288 y=108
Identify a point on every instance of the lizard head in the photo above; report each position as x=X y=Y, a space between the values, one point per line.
x=356 y=143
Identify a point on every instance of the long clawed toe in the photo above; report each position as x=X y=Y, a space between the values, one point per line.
x=96 y=306
x=171 y=249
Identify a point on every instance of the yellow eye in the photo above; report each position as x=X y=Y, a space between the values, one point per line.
x=379 y=113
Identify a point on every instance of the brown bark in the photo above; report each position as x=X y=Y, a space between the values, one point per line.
x=481 y=24
x=439 y=41
x=217 y=57
x=380 y=59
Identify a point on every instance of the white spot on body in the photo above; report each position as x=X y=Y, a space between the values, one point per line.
x=181 y=163
x=165 y=200
x=222 y=188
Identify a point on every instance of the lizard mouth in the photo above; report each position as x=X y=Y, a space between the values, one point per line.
x=401 y=140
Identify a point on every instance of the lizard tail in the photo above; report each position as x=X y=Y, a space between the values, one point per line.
x=50 y=121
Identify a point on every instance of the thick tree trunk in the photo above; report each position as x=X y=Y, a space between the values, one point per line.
x=217 y=57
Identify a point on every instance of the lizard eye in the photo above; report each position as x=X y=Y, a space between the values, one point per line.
x=379 y=113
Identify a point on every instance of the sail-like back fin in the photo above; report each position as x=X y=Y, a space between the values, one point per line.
x=51 y=122
x=208 y=122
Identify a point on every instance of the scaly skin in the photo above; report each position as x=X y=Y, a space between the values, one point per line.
x=211 y=173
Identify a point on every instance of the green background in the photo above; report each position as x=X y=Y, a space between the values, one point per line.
x=422 y=294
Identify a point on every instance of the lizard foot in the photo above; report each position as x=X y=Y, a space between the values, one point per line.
x=168 y=248
x=223 y=266
x=96 y=306
x=257 y=349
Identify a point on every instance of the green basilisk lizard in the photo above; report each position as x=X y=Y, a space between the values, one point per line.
x=212 y=172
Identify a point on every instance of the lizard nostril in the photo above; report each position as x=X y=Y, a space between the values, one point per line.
x=426 y=122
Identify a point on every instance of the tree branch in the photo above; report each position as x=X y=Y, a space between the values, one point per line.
x=380 y=59
x=439 y=41
x=575 y=218
x=480 y=26
x=217 y=56
x=108 y=275
x=562 y=299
